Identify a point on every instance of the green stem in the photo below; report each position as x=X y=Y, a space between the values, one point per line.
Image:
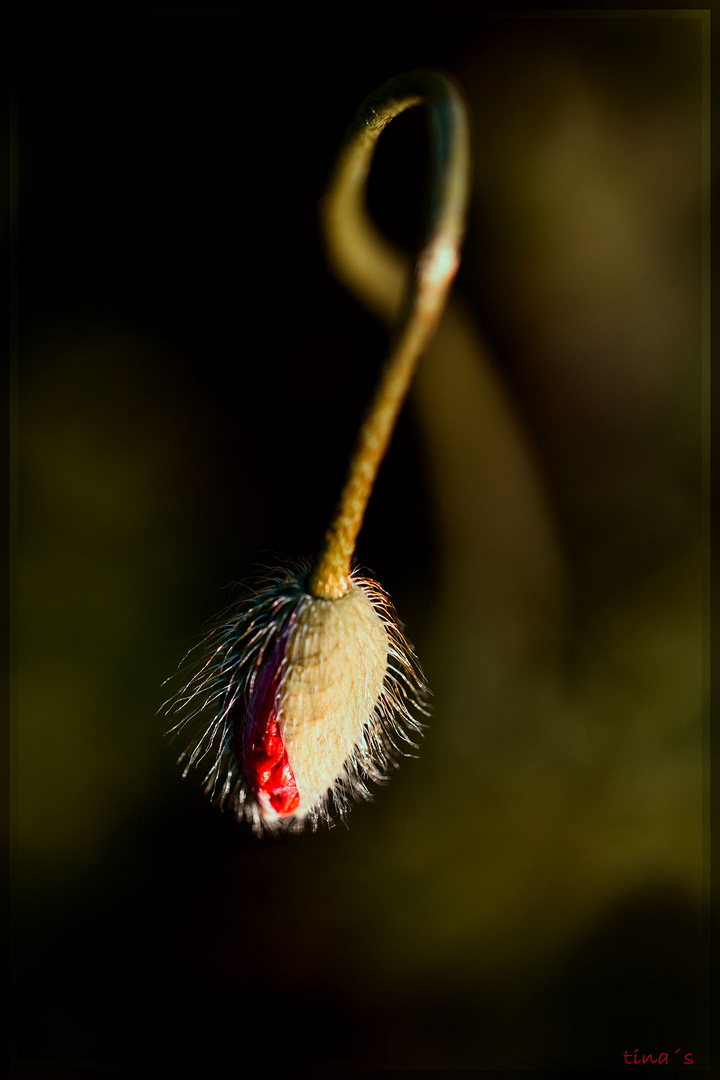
x=349 y=231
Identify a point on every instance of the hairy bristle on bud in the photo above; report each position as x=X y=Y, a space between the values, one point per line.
x=295 y=702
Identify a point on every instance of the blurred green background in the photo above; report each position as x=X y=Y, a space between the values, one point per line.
x=527 y=892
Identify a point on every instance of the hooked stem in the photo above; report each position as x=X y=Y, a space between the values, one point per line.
x=349 y=232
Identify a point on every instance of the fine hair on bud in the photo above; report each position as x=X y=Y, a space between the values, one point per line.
x=293 y=705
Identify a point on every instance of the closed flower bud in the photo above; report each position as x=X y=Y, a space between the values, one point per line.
x=303 y=691
x=299 y=701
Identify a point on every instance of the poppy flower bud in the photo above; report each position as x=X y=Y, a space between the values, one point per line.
x=306 y=686
x=304 y=701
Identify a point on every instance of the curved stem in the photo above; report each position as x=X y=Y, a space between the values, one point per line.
x=349 y=229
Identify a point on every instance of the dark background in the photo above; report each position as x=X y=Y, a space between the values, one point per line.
x=527 y=893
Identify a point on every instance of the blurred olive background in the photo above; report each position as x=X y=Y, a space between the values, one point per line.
x=527 y=891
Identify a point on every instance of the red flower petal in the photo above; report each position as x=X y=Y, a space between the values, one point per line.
x=266 y=764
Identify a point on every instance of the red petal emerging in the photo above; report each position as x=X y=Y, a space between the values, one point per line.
x=266 y=762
